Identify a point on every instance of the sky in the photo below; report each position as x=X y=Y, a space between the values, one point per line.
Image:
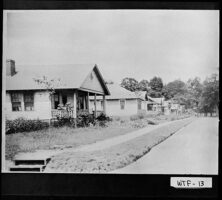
x=171 y=44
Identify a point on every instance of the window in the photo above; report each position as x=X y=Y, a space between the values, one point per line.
x=149 y=106
x=29 y=101
x=16 y=99
x=122 y=104
x=139 y=104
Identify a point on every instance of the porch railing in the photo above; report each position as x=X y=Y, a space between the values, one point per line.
x=62 y=113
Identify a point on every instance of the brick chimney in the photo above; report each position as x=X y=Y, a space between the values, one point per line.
x=10 y=67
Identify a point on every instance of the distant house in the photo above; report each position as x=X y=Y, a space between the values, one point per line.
x=73 y=84
x=121 y=102
x=155 y=104
x=174 y=107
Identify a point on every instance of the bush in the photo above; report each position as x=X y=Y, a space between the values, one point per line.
x=134 y=117
x=24 y=125
x=64 y=121
x=103 y=117
x=102 y=120
x=85 y=119
x=138 y=116
x=142 y=115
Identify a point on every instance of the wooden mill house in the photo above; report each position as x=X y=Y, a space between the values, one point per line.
x=29 y=90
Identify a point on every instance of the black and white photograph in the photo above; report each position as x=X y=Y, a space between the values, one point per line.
x=110 y=91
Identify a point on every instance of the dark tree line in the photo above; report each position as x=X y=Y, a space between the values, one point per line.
x=200 y=96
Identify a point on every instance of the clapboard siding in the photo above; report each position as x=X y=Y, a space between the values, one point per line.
x=42 y=107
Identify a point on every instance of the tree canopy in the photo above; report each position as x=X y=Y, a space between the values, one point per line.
x=201 y=97
x=156 y=84
x=144 y=85
x=130 y=84
x=174 y=88
x=210 y=95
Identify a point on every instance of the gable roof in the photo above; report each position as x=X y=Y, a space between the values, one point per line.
x=156 y=100
x=118 y=92
x=66 y=76
x=141 y=94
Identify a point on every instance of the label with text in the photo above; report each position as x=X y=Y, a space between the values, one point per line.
x=191 y=182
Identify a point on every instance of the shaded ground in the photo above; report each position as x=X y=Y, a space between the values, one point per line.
x=114 y=157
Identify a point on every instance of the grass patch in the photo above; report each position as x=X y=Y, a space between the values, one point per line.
x=62 y=137
x=69 y=137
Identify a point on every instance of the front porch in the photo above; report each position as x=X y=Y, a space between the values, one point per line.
x=70 y=103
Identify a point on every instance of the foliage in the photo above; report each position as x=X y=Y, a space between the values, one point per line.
x=154 y=93
x=49 y=85
x=103 y=117
x=64 y=121
x=85 y=119
x=194 y=92
x=156 y=84
x=135 y=117
x=102 y=120
x=130 y=84
x=24 y=125
x=210 y=95
x=174 y=88
x=144 y=85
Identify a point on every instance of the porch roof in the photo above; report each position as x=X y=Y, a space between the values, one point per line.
x=69 y=76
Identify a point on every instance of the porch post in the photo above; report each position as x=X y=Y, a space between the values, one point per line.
x=88 y=101
x=95 y=104
x=104 y=104
x=60 y=98
x=74 y=105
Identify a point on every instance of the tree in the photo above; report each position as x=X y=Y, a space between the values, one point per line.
x=156 y=84
x=210 y=95
x=194 y=91
x=154 y=94
x=47 y=84
x=155 y=87
x=144 y=85
x=130 y=84
x=174 y=88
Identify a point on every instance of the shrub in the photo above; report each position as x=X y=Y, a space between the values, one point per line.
x=85 y=119
x=103 y=117
x=134 y=117
x=102 y=120
x=64 y=121
x=24 y=125
x=141 y=115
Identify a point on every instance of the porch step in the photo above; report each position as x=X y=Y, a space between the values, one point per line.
x=28 y=168
x=31 y=161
